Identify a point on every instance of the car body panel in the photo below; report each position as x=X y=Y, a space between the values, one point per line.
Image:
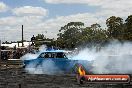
x=61 y=61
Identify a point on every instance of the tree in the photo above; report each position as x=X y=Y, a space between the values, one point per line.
x=70 y=33
x=95 y=26
x=37 y=39
x=115 y=27
x=128 y=28
x=40 y=37
x=93 y=35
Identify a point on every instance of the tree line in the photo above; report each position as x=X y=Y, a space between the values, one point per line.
x=74 y=34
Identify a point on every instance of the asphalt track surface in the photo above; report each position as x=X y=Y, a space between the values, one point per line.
x=18 y=78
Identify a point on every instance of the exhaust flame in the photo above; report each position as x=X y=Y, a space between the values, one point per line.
x=81 y=71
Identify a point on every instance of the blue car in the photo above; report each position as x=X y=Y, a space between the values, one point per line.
x=56 y=61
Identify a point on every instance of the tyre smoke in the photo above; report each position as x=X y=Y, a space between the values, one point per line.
x=30 y=56
x=44 y=67
x=116 y=57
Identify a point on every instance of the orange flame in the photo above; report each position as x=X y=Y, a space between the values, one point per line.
x=81 y=71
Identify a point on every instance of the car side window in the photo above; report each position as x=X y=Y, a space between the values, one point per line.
x=42 y=55
x=46 y=55
x=60 y=55
x=53 y=55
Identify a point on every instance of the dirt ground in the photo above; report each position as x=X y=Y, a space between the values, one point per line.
x=18 y=78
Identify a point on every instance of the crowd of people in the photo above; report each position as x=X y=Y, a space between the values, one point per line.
x=13 y=54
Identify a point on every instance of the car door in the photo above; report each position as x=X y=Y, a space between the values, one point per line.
x=61 y=61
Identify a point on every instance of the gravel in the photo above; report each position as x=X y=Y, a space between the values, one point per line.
x=18 y=78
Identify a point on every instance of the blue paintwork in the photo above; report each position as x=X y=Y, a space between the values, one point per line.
x=63 y=64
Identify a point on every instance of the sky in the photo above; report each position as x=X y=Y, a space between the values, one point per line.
x=48 y=16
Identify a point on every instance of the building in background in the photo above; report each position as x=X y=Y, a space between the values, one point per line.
x=16 y=44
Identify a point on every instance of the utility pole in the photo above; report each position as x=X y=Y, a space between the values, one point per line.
x=0 y=50
x=22 y=37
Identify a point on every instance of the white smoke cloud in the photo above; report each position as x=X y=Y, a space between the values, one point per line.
x=30 y=56
x=116 y=57
x=85 y=54
x=42 y=48
x=45 y=67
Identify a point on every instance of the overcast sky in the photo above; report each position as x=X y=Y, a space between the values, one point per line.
x=47 y=16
